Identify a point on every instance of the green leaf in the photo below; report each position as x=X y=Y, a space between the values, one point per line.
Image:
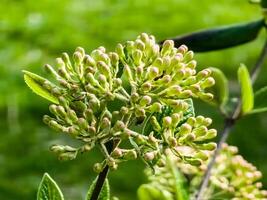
x=179 y=187
x=260 y=101
x=220 y=90
x=36 y=82
x=48 y=189
x=264 y=3
x=247 y=95
x=221 y=37
x=104 y=193
x=149 y=192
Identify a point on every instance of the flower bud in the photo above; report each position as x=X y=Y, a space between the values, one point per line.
x=82 y=123
x=155 y=124
x=188 y=56
x=130 y=155
x=209 y=146
x=105 y=123
x=149 y=156
x=155 y=107
x=98 y=167
x=207 y=82
x=185 y=129
x=182 y=49
x=145 y=100
x=67 y=156
x=146 y=87
x=72 y=115
x=193 y=161
x=103 y=68
x=117 y=153
x=73 y=131
x=57 y=148
x=140 y=112
x=139 y=45
x=119 y=126
x=152 y=72
x=167 y=122
x=120 y=51
x=167 y=46
x=134 y=97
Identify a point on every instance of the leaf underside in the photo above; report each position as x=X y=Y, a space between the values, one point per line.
x=49 y=190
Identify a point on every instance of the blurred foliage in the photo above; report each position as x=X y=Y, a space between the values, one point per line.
x=33 y=33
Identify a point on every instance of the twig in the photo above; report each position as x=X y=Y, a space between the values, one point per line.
x=102 y=175
x=229 y=123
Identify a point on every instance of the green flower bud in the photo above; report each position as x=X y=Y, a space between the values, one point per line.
x=161 y=163
x=185 y=94
x=167 y=47
x=117 y=82
x=152 y=72
x=51 y=70
x=155 y=124
x=128 y=73
x=139 y=45
x=149 y=156
x=77 y=57
x=57 y=148
x=182 y=49
x=73 y=131
x=103 y=68
x=192 y=64
x=98 y=167
x=91 y=79
x=172 y=141
x=205 y=96
x=134 y=97
x=54 y=125
x=89 y=61
x=124 y=110
x=185 y=129
x=72 y=115
x=105 y=123
x=146 y=87
x=144 y=37
x=119 y=126
x=167 y=122
x=193 y=161
x=174 y=90
x=47 y=119
x=201 y=155
x=140 y=140
x=130 y=155
x=80 y=50
x=117 y=153
x=155 y=107
x=203 y=74
x=140 y=112
x=82 y=123
x=176 y=118
x=120 y=51
x=207 y=82
x=209 y=146
x=145 y=100
x=188 y=56
x=67 y=156
x=137 y=56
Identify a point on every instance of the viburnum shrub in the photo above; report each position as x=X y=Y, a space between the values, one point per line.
x=136 y=102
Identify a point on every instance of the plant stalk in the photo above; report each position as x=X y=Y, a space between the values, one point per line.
x=229 y=123
x=102 y=175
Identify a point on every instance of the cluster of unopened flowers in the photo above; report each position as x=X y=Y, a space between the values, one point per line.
x=231 y=177
x=140 y=94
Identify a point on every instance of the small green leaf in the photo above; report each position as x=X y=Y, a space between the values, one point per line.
x=247 y=95
x=36 y=82
x=260 y=101
x=220 y=90
x=104 y=193
x=48 y=189
x=149 y=192
x=221 y=37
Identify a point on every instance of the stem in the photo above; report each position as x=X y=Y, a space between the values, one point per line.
x=102 y=175
x=229 y=123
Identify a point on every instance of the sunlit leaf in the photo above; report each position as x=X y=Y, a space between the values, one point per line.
x=49 y=190
x=104 y=193
x=220 y=90
x=149 y=192
x=35 y=82
x=247 y=95
x=221 y=37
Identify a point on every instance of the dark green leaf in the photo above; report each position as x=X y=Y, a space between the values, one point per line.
x=221 y=37
x=36 y=82
x=220 y=90
x=49 y=190
x=104 y=193
x=263 y=3
x=247 y=95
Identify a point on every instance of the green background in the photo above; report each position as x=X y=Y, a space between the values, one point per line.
x=33 y=33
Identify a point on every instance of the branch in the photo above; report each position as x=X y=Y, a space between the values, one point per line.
x=229 y=123
x=102 y=175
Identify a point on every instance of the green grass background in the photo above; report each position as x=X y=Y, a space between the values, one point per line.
x=33 y=33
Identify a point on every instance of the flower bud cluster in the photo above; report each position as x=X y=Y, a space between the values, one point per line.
x=122 y=97
x=232 y=174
